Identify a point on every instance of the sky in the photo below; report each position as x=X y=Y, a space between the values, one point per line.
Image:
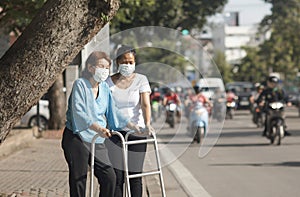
x=251 y=11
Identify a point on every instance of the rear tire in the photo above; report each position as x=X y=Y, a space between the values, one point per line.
x=231 y=115
x=279 y=134
x=271 y=140
x=198 y=135
x=172 y=122
x=272 y=134
x=43 y=122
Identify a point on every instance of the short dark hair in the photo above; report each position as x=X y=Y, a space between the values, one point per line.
x=92 y=60
x=123 y=50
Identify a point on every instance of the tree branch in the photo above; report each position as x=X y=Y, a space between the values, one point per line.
x=50 y=42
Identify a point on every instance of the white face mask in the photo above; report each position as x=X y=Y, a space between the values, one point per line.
x=101 y=74
x=126 y=69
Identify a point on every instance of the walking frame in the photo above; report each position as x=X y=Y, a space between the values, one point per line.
x=125 y=144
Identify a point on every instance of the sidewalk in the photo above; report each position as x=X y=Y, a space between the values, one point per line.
x=40 y=170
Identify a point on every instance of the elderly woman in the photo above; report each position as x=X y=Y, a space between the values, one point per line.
x=90 y=108
x=131 y=92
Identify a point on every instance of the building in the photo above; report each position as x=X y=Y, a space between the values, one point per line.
x=230 y=37
x=235 y=38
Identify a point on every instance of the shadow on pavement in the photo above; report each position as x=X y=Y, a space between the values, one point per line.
x=178 y=138
x=240 y=133
x=174 y=142
x=283 y=164
x=293 y=132
x=171 y=135
x=243 y=145
x=292 y=117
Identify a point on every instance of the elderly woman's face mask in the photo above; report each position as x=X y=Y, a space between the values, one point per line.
x=101 y=70
x=101 y=74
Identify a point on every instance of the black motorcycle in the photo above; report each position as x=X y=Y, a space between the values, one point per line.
x=258 y=117
x=230 y=107
x=219 y=109
x=171 y=110
x=275 y=122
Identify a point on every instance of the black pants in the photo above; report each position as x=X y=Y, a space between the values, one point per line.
x=136 y=156
x=77 y=154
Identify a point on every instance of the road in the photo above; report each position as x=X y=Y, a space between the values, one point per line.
x=233 y=161
x=241 y=163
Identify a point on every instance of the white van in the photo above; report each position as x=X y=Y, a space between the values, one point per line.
x=209 y=86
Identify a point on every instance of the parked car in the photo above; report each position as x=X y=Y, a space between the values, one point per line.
x=293 y=94
x=243 y=90
x=30 y=118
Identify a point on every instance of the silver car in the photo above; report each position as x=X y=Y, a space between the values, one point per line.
x=30 y=118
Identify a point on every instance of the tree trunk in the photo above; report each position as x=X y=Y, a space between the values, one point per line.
x=50 y=42
x=57 y=104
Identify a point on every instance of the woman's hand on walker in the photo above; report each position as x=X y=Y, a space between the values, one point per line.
x=149 y=129
x=134 y=127
x=104 y=132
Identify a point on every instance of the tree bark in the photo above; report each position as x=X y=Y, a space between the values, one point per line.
x=57 y=105
x=50 y=42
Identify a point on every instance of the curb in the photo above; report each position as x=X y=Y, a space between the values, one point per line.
x=16 y=140
x=19 y=138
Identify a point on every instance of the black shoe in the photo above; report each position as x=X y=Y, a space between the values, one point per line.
x=287 y=133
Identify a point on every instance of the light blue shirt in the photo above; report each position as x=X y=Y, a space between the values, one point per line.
x=84 y=110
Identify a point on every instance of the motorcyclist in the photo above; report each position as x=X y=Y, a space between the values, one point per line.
x=155 y=95
x=231 y=103
x=230 y=95
x=200 y=97
x=219 y=103
x=179 y=93
x=171 y=96
x=253 y=99
x=156 y=101
x=258 y=90
x=188 y=101
x=272 y=93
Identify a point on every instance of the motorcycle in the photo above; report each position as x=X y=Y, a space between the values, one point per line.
x=198 y=121
x=258 y=116
x=187 y=108
x=218 y=111
x=155 y=110
x=230 y=107
x=275 y=122
x=171 y=110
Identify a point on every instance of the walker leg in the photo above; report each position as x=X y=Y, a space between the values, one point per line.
x=125 y=144
x=159 y=167
x=92 y=164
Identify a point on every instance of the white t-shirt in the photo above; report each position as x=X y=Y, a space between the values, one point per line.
x=128 y=100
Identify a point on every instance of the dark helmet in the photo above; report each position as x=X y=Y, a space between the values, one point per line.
x=273 y=79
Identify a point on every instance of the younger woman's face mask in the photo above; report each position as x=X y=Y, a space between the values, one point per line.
x=126 y=69
x=101 y=74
